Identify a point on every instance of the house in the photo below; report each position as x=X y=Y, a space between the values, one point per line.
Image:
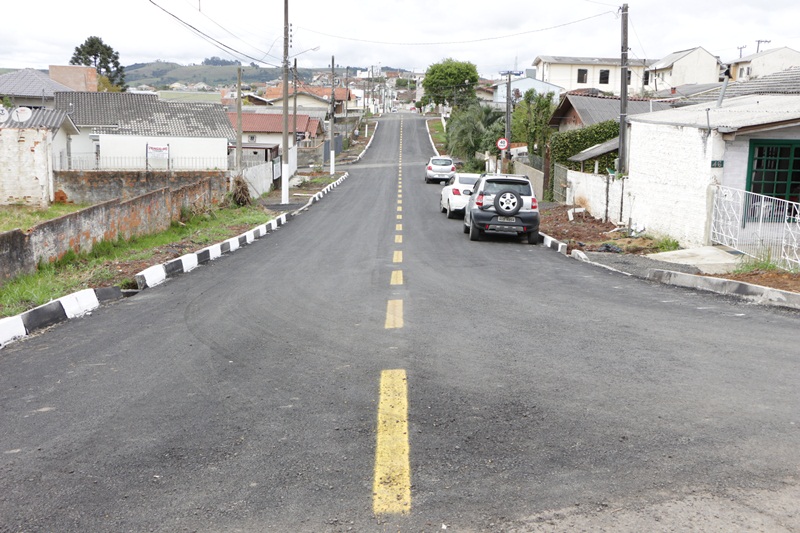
x=262 y=133
x=310 y=97
x=28 y=143
x=763 y=63
x=520 y=86
x=578 y=110
x=676 y=156
x=601 y=73
x=30 y=88
x=128 y=130
x=695 y=65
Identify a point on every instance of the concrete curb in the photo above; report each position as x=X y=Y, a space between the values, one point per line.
x=755 y=293
x=73 y=305
x=83 y=302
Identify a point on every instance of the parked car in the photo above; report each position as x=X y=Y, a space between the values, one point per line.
x=502 y=203
x=440 y=168
x=454 y=197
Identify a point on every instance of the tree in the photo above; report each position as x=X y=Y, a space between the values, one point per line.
x=95 y=53
x=451 y=81
x=474 y=129
x=530 y=122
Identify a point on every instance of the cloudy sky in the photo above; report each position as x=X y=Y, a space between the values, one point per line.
x=410 y=34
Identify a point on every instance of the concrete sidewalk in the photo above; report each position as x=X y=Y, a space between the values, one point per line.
x=707 y=259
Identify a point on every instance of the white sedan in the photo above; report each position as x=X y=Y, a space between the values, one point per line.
x=453 y=200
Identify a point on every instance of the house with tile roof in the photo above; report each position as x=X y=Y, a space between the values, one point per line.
x=30 y=88
x=29 y=145
x=262 y=133
x=580 y=109
x=135 y=130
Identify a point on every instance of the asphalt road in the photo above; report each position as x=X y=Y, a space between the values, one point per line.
x=492 y=385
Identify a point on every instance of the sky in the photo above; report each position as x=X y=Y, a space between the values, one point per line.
x=408 y=34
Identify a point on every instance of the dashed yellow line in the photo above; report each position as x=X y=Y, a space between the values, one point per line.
x=397 y=257
x=394 y=314
x=391 y=488
x=398 y=227
x=397 y=278
x=398 y=239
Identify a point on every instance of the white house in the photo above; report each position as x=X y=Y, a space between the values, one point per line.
x=601 y=73
x=764 y=63
x=520 y=86
x=695 y=65
x=677 y=155
x=128 y=130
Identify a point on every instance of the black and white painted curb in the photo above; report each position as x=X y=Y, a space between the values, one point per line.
x=83 y=302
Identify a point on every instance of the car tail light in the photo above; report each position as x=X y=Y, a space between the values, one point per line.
x=479 y=200
x=453 y=168
x=534 y=203
x=430 y=167
x=456 y=192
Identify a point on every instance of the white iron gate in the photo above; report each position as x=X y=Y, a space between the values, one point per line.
x=760 y=226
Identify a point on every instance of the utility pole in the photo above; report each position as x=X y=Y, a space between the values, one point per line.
x=740 y=49
x=333 y=114
x=294 y=113
x=238 y=123
x=623 y=96
x=285 y=157
x=508 y=73
x=758 y=44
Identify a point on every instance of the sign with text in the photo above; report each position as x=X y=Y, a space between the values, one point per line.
x=502 y=143
x=157 y=152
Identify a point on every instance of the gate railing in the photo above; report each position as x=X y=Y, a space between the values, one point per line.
x=759 y=226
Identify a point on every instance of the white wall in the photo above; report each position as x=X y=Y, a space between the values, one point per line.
x=25 y=166
x=566 y=76
x=589 y=191
x=203 y=151
x=667 y=191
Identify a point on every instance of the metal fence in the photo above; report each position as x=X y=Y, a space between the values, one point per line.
x=90 y=161
x=560 y=183
x=759 y=226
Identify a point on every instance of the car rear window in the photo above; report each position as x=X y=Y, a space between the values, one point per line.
x=493 y=187
x=467 y=181
x=442 y=162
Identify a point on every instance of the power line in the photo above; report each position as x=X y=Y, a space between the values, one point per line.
x=222 y=46
x=439 y=43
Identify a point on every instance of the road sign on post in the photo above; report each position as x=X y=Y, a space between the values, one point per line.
x=502 y=144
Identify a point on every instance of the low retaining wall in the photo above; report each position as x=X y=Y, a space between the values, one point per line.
x=21 y=251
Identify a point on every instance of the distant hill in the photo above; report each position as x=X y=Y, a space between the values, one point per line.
x=160 y=74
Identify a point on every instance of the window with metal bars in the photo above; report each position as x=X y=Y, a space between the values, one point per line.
x=775 y=169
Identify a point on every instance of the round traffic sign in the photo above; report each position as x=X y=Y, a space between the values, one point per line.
x=502 y=143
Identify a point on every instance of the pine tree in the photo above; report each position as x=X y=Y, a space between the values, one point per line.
x=95 y=53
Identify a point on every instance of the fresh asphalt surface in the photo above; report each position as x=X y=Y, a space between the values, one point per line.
x=242 y=396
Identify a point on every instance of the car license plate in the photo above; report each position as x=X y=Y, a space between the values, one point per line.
x=506 y=219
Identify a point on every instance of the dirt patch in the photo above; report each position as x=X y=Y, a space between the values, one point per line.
x=586 y=233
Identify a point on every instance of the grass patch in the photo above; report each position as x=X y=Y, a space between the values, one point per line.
x=752 y=264
x=666 y=244
x=437 y=133
x=24 y=217
x=105 y=264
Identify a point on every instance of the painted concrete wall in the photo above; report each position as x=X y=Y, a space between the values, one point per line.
x=566 y=76
x=193 y=152
x=25 y=166
x=599 y=194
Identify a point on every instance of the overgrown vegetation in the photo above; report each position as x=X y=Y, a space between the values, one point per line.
x=74 y=272
x=760 y=264
x=24 y=217
x=530 y=122
x=474 y=129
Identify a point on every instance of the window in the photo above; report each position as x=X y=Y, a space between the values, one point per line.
x=775 y=169
x=604 y=77
x=646 y=78
x=251 y=138
x=583 y=75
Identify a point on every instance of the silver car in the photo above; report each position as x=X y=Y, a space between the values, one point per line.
x=440 y=168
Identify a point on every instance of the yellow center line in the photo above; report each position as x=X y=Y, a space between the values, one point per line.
x=397 y=277
x=391 y=488
x=399 y=208
x=398 y=239
x=398 y=256
x=398 y=227
x=399 y=217
x=394 y=314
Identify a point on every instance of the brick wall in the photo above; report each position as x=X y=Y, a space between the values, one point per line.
x=91 y=187
x=148 y=213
